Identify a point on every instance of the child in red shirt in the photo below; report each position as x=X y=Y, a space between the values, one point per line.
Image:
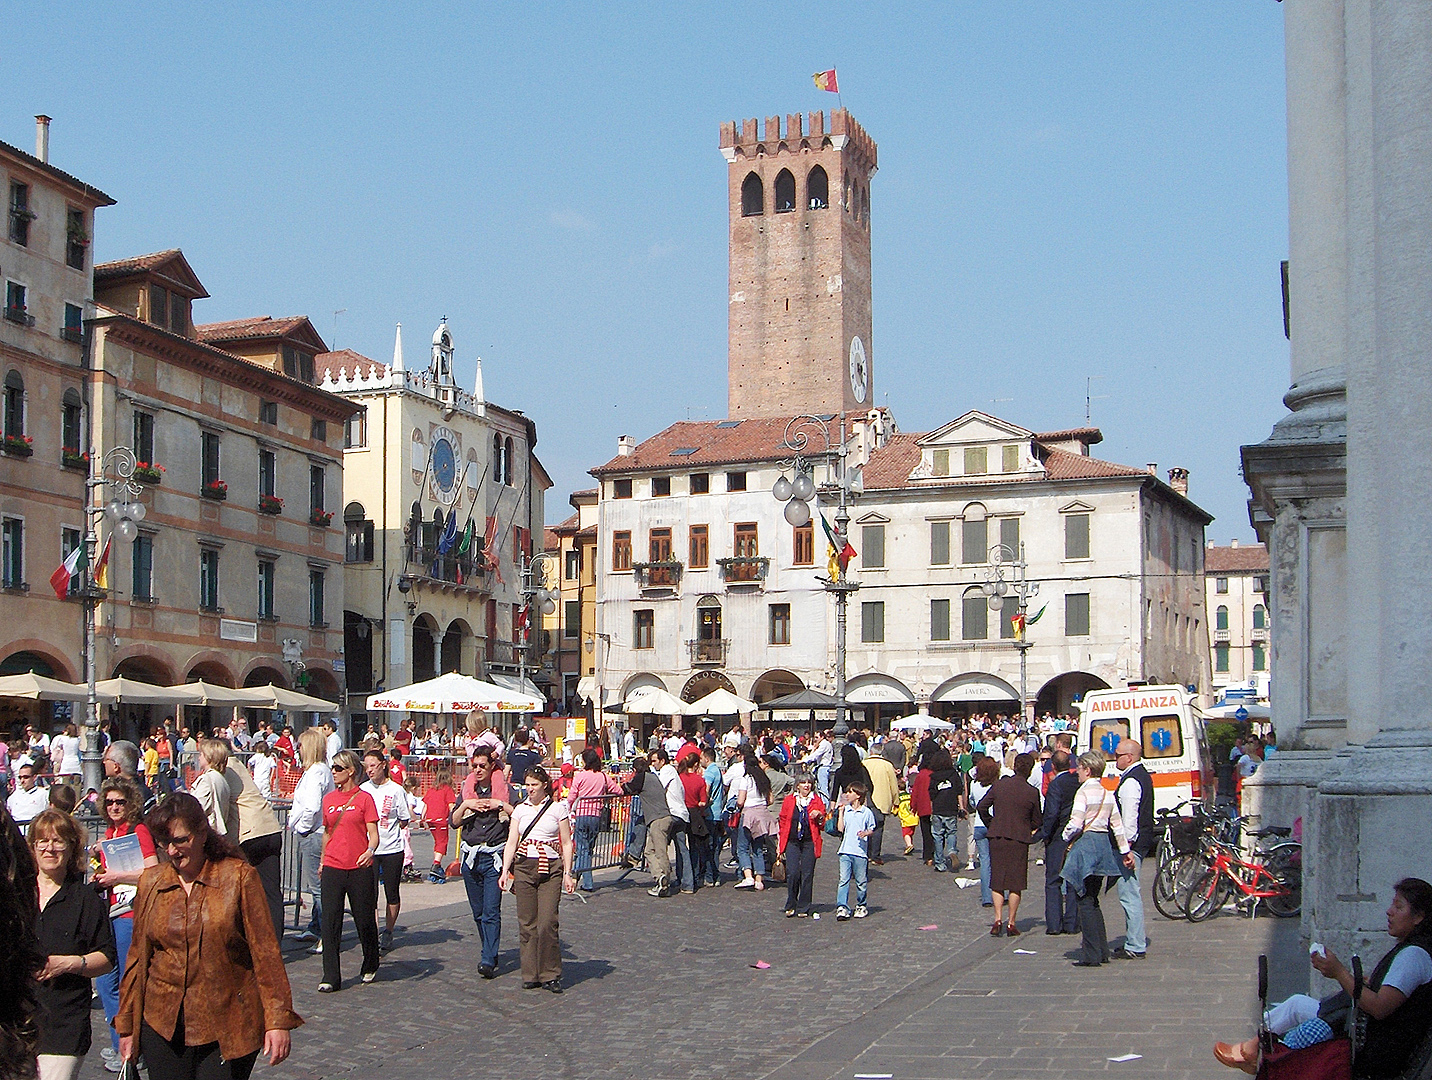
x=437 y=806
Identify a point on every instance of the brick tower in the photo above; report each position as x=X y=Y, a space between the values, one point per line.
x=799 y=334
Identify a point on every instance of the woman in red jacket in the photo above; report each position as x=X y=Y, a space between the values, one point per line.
x=920 y=804
x=802 y=819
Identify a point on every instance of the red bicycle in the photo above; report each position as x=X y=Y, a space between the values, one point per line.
x=1274 y=878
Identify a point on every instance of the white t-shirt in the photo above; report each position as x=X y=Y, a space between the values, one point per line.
x=24 y=805
x=546 y=830
x=392 y=803
x=1411 y=968
x=262 y=766
x=747 y=784
x=675 y=791
x=65 y=752
x=977 y=792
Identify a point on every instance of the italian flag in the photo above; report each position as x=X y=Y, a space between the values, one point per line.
x=60 y=579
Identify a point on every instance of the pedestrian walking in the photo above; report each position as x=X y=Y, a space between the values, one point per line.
x=437 y=808
x=305 y=818
x=537 y=868
x=75 y=935
x=752 y=791
x=985 y=774
x=350 y=825
x=1060 y=902
x=1010 y=812
x=482 y=816
x=1094 y=831
x=218 y=799
x=802 y=821
x=393 y=818
x=920 y=805
x=946 y=794
x=856 y=823
x=205 y=988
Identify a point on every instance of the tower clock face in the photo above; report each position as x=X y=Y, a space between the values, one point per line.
x=444 y=467
x=859 y=369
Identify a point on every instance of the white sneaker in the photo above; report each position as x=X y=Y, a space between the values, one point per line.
x=861 y=912
x=842 y=913
x=317 y=950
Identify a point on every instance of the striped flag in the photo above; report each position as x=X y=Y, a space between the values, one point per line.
x=101 y=569
x=60 y=579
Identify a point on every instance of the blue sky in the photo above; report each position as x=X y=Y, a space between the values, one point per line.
x=1065 y=191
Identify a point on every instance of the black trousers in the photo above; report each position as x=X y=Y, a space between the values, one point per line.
x=170 y=1059
x=265 y=854
x=927 y=839
x=1060 y=903
x=800 y=873
x=360 y=888
x=1095 y=948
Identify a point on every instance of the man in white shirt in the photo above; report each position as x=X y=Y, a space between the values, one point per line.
x=335 y=741
x=672 y=743
x=393 y=818
x=676 y=803
x=819 y=760
x=29 y=798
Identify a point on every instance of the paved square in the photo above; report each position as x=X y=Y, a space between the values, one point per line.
x=660 y=989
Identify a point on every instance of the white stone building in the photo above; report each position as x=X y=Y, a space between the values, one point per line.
x=702 y=582
x=1237 y=577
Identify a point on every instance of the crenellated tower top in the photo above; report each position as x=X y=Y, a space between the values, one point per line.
x=799 y=133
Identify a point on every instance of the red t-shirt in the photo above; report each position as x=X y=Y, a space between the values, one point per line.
x=346 y=815
x=404 y=738
x=695 y=786
x=396 y=772
x=437 y=806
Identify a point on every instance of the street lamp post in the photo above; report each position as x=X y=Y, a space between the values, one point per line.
x=1009 y=573
x=796 y=494
x=538 y=600
x=124 y=511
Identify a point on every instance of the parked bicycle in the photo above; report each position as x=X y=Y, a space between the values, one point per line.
x=1273 y=877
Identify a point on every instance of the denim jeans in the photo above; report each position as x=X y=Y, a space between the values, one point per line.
x=714 y=844
x=1131 y=899
x=685 y=873
x=107 y=986
x=851 y=866
x=946 y=831
x=310 y=861
x=982 y=849
x=750 y=854
x=480 y=874
x=584 y=833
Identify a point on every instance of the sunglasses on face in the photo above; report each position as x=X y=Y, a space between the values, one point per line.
x=116 y=802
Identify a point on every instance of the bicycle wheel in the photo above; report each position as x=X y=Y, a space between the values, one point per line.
x=1286 y=864
x=1186 y=875
x=1209 y=893
x=1166 y=887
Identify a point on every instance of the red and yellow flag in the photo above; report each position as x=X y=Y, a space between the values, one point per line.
x=825 y=80
x=101 y=569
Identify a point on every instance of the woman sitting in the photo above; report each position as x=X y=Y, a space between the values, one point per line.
x=1396 y=999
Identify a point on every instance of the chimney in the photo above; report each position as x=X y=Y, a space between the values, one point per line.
x=1233 y=543
x=626 y=446
x=1178 y=480
x=1153 y=468
x=42 y=138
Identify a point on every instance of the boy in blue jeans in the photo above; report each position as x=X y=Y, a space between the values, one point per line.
x=856 y=822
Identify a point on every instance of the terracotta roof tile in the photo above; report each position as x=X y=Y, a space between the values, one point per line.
x=93 y=193
x=570 y=523
x=263 y=326
x=709 y=442
x=891 y=465
x=346 y=360
x=551 y=540
x=1090 y=435
x=134 y=264
x=1245 y=558
x=1062 y=465
x=589 y=533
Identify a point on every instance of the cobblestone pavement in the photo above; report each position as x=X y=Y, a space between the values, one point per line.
x=665 y=989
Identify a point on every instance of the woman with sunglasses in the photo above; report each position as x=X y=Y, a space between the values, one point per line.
x=75 y=936
x=123 y=805
x=350 y=828
x=205 y=988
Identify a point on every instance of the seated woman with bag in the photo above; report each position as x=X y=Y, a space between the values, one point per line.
x=1396 y=999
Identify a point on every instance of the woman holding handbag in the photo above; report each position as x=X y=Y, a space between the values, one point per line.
x=1095 y=829
x=801 y=819
x=537 y=869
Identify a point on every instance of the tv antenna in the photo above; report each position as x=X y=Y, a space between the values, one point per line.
x=1090 y=397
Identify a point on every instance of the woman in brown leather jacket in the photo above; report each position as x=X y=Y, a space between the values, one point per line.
x=216 y=1021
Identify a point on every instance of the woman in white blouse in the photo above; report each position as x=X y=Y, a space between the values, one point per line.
x=1096 y=829
x=537 y=868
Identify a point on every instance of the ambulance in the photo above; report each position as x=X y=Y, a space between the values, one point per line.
x=1167 y=722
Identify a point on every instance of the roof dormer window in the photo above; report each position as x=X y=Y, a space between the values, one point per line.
x=297 y=364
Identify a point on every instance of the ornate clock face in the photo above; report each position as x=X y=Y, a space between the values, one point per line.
x=859 y=370
x=444 y=466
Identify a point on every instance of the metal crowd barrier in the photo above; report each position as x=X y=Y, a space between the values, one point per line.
x=617 y=814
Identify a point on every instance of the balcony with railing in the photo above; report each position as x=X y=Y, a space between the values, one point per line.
x=748 y=570
x=467 y=570
x=657 y=578
x=709 y=651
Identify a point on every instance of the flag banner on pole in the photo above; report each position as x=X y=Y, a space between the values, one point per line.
x=832 y=564
x=1017 y=621
x=465 y=545
x=449 y=536
x=1036 y=617
x=843 y=550
x=825 y=80
x=101 y=569
x=60 y=579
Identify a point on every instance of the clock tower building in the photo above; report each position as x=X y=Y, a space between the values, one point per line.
x=800 y=320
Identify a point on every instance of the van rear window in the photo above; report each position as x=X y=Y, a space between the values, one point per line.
x=1105 y=734
x=1162 y=736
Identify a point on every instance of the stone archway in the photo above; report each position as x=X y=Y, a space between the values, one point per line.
x=703 y=682
x=1058 y=696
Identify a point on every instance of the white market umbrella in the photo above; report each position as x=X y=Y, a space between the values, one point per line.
x=720 y=702
x=1229 y=711
x=276 y=697
x=453 y=693
x=204 y=693
x=39 y=688
x=921 y=723
x=654 y=700
x=133 y=692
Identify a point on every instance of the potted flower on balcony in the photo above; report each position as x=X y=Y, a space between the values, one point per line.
x=74 y=459
x=18 y=445
x=270 y=504
x=215 y=489
x=320 y=519
x=148 y=473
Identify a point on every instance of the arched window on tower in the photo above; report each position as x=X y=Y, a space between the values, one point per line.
x=846 y=204
x=507 y=461
x=497 y=459
x=753 y=196
x=818 y=189
x=865 y=207
x=785 y=192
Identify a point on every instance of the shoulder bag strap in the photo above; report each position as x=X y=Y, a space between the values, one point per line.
x=532 y=824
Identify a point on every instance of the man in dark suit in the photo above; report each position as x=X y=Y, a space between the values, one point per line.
x=1059 y=900
x=1135 y=794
